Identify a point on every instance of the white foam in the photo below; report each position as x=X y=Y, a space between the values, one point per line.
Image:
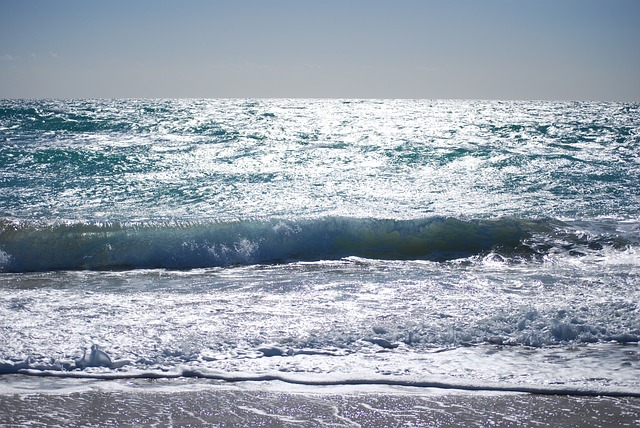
x=348 y=380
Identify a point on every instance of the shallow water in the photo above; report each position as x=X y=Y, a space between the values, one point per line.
x=162 y=403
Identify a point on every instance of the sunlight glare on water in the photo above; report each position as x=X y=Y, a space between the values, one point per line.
x=485 y=243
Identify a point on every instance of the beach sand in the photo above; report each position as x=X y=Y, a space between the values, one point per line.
x=263 y=404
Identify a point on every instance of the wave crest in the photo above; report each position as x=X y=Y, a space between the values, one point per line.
x=33 y=246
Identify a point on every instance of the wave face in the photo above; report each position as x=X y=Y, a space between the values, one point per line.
x=30 y=247
x=35 y=247
x=491 y=244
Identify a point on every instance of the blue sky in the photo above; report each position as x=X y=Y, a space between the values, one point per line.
x=487 y=49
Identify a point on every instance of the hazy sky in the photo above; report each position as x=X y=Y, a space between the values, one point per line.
x=490 y=49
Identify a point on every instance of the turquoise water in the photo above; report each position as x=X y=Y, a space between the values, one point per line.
x=480 y=242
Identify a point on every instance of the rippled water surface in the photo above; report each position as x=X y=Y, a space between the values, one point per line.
x=471 y=242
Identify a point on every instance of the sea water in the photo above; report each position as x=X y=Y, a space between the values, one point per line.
x=462 y=244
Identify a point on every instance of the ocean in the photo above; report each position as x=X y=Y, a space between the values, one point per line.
x=467 y=245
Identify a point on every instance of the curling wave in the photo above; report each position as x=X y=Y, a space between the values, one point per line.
x=35 y=246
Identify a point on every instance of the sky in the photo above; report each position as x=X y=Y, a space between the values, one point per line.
x=469 y=49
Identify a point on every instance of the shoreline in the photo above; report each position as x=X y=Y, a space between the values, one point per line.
x=180 y=402
x=436 y=382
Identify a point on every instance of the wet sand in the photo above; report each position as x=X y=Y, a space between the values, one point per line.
x=262 y=405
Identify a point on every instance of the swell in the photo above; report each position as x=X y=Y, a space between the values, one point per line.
x=28 y=246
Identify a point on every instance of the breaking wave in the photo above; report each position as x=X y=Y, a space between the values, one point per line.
x=29 y=246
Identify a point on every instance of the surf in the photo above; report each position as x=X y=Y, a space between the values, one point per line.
x=32 y=246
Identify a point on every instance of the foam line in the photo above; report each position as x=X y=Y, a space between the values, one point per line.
x=347 y=381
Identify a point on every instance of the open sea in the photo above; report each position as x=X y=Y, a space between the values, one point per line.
x=478 y=245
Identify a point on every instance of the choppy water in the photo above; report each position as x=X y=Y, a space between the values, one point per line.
x=472 y=243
